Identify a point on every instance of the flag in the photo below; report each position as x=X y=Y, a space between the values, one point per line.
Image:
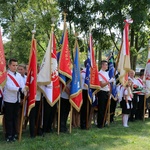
x=65 y=73
x=76 y=91
x=3 y=73
x=31 y=82
x=49 y=67
x=91 y=77
x=146 y=77
x=111 y=73
x=124 y=65
x=94 y=79
x=44 y=76
x=87 y=77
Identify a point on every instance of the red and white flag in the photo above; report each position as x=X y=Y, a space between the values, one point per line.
x=124 y=65
x=3 y=73
x=48 y=77
x=31 y=82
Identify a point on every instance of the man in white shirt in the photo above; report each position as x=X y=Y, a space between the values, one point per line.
x=11 y=97
x=134 y=100
x=103 y=94
x=22 y=70
x=141 y=85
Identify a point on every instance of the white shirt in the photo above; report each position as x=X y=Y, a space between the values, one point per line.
x=129 y=95
x=105 y=74
x=10 y=89
x=1 y=91
x=141 y=84
x=120 y=90
x=38 y=95
x=83 y=72
x=64 y=94
x=24 y=79
x=134 y=80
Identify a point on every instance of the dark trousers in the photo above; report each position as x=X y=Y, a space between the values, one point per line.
x=140 y=107
x=134 y=109
x=83 y=111
x=102 y=103
x=1 y=99
x=11 y=118
x=64 y=112
x=33 y=118
x=112 y=109
x=49 y=114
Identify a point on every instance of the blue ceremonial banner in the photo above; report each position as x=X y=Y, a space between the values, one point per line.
x=111 y=72
x=87 y=76
x=76 y=91
x=91 y=78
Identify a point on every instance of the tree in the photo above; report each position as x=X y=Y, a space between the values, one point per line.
x=106 y=17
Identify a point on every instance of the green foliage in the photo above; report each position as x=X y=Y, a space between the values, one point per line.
x=104 y=18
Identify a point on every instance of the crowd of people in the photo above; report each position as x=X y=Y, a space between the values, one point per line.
x=42 y=117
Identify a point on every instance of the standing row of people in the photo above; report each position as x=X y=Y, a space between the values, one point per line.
x=132 y=103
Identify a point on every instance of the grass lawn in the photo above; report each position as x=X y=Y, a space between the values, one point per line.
x=114 y=137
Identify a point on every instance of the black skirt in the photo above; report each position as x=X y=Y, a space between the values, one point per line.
x=123 y=105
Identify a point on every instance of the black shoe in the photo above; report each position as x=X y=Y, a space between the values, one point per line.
x=100 y=126
x=83 y=128
x=15 y=137
x=32 y=136
x=64 y=130
x=9 y=139
x=40 y=133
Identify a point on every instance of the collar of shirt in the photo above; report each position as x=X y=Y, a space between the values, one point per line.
x=13 y=73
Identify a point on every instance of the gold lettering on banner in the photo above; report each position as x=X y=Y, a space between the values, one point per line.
x=2 y=60
x=93 y=73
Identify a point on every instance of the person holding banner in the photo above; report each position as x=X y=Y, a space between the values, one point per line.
x=48 y=116
x=83 y=111
x=131 y=76
x=1 y=99
x=103 y=94
x=21 y=69
x=34 y=120
x=64 y=108
x=141 y=93
x=13 y=88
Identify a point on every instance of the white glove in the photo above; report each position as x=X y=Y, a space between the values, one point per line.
x=111 y=80
x=24 y=91
x=128 y=106
x=131 y=105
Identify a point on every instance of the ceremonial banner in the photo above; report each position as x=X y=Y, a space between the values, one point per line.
x=111 y=75
x=50 y=88
x=3 y=73
x=91 y=77
x=65 y=73
x=76 y=91
x=146 y=78
x=124 y=65
x=32 y=77
x=94 y=79
x=44 y=76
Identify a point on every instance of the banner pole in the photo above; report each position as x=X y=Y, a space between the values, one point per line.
x=22 y=116
x=70 y=119
x=58 y=129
